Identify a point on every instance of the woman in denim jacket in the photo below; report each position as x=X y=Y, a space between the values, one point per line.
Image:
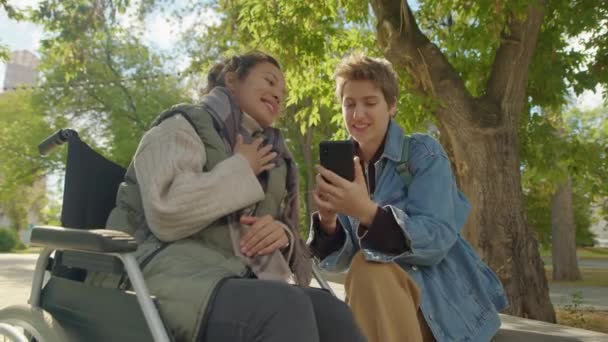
x=411 y=276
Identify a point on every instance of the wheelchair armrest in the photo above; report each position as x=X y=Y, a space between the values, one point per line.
x=94 y=240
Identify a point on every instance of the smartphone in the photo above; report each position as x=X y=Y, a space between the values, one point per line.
x=337 y=156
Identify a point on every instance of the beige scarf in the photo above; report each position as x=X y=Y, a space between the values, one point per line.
x=229 y=120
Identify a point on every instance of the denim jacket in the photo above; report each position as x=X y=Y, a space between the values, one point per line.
x=460 y=295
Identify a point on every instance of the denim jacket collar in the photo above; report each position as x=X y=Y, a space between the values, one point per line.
x=393 y=144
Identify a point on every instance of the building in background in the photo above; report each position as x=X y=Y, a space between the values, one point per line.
x=22 y=69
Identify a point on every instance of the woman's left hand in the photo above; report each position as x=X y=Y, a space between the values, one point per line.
x=348 y=198
x=265 y=235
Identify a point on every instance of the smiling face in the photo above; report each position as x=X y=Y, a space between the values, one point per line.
x=261 y=93
x=366 y=114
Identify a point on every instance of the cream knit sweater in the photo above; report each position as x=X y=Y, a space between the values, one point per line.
x=179 y=199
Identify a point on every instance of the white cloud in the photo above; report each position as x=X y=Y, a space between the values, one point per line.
x=164 y=31
x=19 y=35
x=590 y=99
x=160 y=32
x=23 y=4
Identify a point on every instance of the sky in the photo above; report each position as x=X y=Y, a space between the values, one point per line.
x=161 y=35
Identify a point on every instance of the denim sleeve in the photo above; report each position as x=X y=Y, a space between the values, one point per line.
x=434 y=211
x=339 y=260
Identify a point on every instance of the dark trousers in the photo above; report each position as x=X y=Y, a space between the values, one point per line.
x=252 y=310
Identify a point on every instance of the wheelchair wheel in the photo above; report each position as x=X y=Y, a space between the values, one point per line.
x=36 y=323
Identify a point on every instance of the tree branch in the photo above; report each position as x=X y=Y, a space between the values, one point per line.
x=506 y=87
x=130 y=102
x=407 y=47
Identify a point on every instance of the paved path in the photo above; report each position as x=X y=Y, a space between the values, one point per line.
x=583 y=263
x=16 y=272
x=591 y=296
x=561 y=296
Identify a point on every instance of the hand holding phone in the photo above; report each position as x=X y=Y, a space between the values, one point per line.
x=343 y=190
x=337 y=156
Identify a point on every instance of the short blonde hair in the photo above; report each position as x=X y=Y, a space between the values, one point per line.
x=359 y=67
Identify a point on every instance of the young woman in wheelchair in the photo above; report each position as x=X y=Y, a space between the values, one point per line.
x=211 y=196
x=411 y=276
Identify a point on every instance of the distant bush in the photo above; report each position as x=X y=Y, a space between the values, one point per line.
x=8 y=239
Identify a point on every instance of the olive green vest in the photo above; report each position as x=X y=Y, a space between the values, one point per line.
x=182 y=274
x=217 y=149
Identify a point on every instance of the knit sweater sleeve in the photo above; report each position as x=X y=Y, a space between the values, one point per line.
x=179 y=199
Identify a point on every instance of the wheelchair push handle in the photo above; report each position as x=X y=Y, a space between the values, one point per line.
x=56 y=139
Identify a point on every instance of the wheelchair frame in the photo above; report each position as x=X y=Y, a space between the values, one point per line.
x=155 y=324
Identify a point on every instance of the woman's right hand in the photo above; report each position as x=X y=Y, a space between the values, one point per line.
x=260 y=159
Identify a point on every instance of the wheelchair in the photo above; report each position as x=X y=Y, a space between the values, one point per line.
x=65 y=308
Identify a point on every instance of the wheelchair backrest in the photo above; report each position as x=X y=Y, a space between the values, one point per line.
x=91 y=182
x=90 y=186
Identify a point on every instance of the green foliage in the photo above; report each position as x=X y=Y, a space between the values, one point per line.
x=72 y=25
x=83 y=41
x=468 y=33
x=8 y=239
x=556 y=145
x=105 y=70
x=308 y=38
x=538 y=199
x=22 y=127
x=85 y=62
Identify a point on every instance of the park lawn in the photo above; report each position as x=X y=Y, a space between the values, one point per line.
x=591 y=277
x=595 y=320
x=592 y=253
x=583 y=253
x=28 y=250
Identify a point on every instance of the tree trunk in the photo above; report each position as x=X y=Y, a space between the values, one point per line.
x=565 y=265
x=487 y=170
x=480 y=134
x=306 y=147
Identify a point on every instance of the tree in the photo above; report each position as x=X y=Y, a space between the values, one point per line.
x=100 y=76
x=564 y=157
x=475 y=59
x=22 y=127
x=563 y=238
x=96 y=77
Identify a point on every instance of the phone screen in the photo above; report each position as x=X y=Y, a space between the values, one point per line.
x=337 y=156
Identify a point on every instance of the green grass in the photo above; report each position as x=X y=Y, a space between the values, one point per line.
x=591 y=277
x=583 y=253
x=592 y=253
x=28 y=250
